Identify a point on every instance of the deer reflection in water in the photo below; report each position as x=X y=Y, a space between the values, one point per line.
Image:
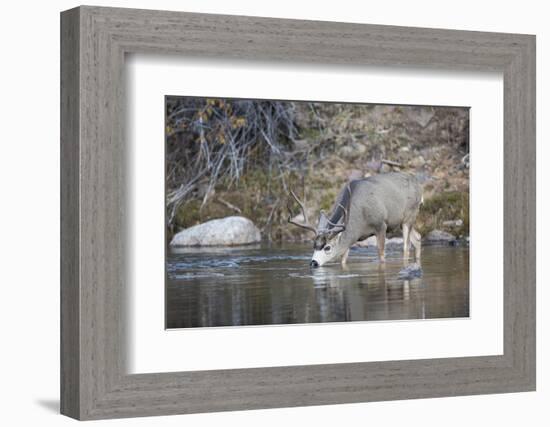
x=383 y=295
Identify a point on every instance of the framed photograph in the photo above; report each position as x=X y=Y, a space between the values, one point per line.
x=262 y=213
x=242 y=249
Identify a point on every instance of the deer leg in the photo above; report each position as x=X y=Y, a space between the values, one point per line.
x=406 y=241
x=415 y=240
x=381 y=242
x=345 y=258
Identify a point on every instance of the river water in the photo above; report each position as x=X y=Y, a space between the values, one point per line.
x=268 y=285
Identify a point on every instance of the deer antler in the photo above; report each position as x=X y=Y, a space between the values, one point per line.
x=340 y=225
x=306 y=225
x=336 y=226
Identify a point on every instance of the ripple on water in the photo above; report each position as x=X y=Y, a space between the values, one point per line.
x=201 y=263
x=192 y=276
x=233 y=262
x=334 y=276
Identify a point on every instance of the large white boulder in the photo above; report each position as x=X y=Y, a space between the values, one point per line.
x=228 y=231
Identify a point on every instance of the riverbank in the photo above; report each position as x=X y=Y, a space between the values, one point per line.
x=333 y=145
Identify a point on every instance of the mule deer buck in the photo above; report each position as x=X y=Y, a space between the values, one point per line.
x=363 y=208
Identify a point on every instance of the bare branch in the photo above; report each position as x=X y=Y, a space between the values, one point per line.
x=392 y=163
x=228 y=205
x=217 y=139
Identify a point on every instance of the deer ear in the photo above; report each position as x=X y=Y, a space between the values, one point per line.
x=322 y=220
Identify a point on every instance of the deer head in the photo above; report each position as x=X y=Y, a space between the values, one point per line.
x=327 y=235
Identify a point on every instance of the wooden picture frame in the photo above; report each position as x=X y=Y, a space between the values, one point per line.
x=94 y=382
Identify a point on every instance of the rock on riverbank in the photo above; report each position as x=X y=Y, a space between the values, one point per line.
x=433 y=237
x=393 y=243
x=439 y=236
x=228 y=231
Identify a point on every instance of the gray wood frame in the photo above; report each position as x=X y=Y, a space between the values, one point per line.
x=94 y=382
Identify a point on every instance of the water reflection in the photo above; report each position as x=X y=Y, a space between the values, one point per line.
x=274 y=285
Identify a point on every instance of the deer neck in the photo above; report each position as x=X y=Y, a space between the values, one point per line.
x=347 y=239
